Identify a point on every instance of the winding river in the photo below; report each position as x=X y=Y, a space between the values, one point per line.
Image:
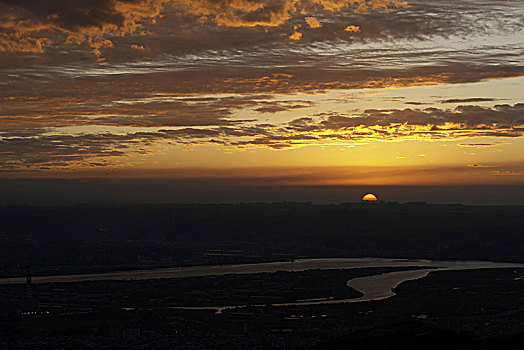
x=375 y=287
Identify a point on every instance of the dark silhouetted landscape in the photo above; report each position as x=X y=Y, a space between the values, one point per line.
x=481 y=307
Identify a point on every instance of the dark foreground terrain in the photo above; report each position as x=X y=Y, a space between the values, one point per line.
x=55 y=240
x=461 y=309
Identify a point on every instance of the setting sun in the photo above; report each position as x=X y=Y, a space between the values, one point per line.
x=370 y=197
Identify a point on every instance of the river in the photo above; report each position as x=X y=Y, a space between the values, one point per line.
x=375 y=287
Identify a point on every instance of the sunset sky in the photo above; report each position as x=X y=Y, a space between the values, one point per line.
x=276 y=92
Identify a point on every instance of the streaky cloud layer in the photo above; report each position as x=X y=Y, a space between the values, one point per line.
x=143 y=83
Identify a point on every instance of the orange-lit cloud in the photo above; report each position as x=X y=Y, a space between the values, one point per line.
x=352 y=28
x=295 y=36
x=27 y=26
x=138 y=47
x=40 y=148
x=13 y=42
x=313 y=22
x=30 y=22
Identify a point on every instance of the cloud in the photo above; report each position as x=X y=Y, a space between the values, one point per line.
x=11 y=42
x=73 y=22
x=31 y=25
x=407 y=124
x=420 y=42
x=163 y=25
x=313 y=22
x=147 y=111
x=38 y=148
x=279 y=106
x=415 y=103
x=479 y=166
x=296 y=36
x=477 y=144
x=508 y=173
x=352 y=28
x=469 y=100
x=500 y=117
x=213 y=71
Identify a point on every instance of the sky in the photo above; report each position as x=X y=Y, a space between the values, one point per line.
x=223 y=94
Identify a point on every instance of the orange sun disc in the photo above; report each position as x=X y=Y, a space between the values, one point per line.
x=370 y=197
